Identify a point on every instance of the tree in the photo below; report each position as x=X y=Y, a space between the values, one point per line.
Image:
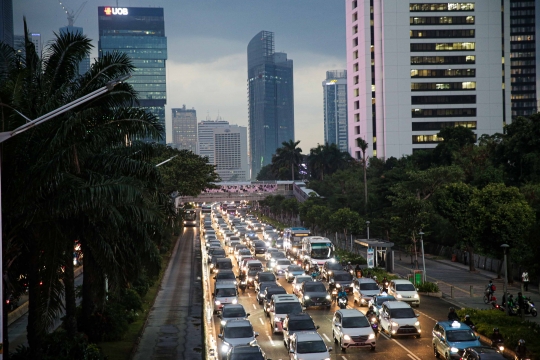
x=327 y=159
x=363 y=147
x=287 y=156
x=346 y=221
x=454 y=139
x=266 y=173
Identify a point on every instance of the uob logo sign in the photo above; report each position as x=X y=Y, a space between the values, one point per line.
x=115 y=11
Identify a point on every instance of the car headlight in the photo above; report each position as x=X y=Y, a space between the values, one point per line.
x=217 y=302
x=338 y=286
x=399 y=296
x=395 y=323
x=225 y=347
x=223 y=322
x=234 y=301
x=417 y=323
x=501 y=348
x=415 y=296
x=362 y=300
x=329 y=273
x=306 y=297
x=371 y=336
x=328 y=297
x=276 y=319
x=454 y=349
x=352 y=284
x=346 y=337
x=250 y=279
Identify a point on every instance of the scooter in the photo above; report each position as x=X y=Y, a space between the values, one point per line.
x=334 y=294
x=342 y=302
x=374 y=324
x=530 y=309
x=498 y=345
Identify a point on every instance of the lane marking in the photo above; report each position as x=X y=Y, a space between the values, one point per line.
x=273 y=344
x=409 y=355
x=414 y=357
x=254 y=306
x=326 y=337
x=262 y=322
x=426 y=315
x=343 y=357
x=249 y=295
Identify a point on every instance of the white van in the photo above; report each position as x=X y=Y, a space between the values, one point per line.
x=281 y=306
x=225 y=292
x=398 y=318
x=404 y=290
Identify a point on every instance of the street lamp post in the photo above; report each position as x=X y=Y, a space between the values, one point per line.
x=166 y=161
x=30 y=124
x=424 y=276
x=367 y=223
x=505 y=285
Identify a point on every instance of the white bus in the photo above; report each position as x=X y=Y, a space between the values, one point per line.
x=316 y=250
x=292 y=238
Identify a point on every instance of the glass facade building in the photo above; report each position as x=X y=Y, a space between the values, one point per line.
x=6 y=22
x=84 y=65
x=140 y=33
x=270 y=100
x=335 y=109
x=184 y=129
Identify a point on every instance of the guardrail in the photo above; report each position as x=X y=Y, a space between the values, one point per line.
x=210 y=340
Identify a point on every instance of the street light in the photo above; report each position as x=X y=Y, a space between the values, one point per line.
x=424 y=276
x=166 y=161
x=367 y=223
x=30 y=124
x=505 y=285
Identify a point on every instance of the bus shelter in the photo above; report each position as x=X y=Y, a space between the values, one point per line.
x=379 y=253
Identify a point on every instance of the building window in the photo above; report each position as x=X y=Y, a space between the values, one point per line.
x=426 y=139
x=356 y=92
x=448 y=99
x=422 y=73
x=441 y=20
x=357 y=130
x=355 y=67
x=438 y=34
x=356 y=117
x=356 y=105
x=465 y=85
x=355 y=42
x=355 y=29
x=354 y=17
x=456 y=6
x=439 y=125
x=420 y=113
x=354 y=4
x=460 y=46
x=356 y=79
x=433 y=60
x=355 y=54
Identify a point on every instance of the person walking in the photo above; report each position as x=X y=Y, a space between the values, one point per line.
x=525 y=280
x=521 y=304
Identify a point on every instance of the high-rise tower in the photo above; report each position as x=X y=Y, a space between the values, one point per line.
x=6 y=22
x=270 y=100
x=140 y=33
x=335 y=109
x=184 y=129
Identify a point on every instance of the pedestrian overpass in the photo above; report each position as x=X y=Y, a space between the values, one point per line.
x=251 y=191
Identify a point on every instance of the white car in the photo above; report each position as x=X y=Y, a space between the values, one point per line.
x=297 y=282
x=398 y=318
x=280 y=266
x=308 y=346
x=351 y=328
x=363 y=290
x=236 y=332
x=404 y=290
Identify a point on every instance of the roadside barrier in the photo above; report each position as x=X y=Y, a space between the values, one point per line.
x=210 y=340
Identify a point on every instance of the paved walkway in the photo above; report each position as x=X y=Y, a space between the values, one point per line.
x=448 y=275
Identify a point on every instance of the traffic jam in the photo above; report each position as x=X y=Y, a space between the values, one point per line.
x=283 y=295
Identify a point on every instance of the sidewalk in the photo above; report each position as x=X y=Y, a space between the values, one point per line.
x=448 y=275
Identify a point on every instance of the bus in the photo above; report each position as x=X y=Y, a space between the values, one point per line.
x=190 y=217
x=231 y=209
x=316 y=250
x=292 y=238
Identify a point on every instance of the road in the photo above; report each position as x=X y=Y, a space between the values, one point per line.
x=400 y=348
x=174 y=329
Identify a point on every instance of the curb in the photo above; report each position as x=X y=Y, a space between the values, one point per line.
x=23 y=309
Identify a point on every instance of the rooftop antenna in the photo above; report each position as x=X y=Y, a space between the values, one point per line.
x=72 y=15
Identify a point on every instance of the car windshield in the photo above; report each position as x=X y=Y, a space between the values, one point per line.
x=225 y=276
x=288 y=308
x=244 y=252
x=369 y=286
x=343 y=277
x=298 y=325
x=240 y=247
x=314 y=287
x=295 y=268
x=257 y=356
x=233 y=312
x=301 y=279
x=238 y=332
x=272 y=250
x=274 y=291
x=460 y=335
x=380 y=300
x=334 y=266
x=278 y=255
x=219 y=252
x=405 y=287
x=355 y=322
x=225 y=265
x=284 y=262
x=226 y=292
x=267 y=277
x=308 y=347
x=405 y=313
x=322 y=252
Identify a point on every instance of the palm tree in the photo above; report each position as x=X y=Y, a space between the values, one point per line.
x=363 y=145
x=327 y=159
x=289 y=155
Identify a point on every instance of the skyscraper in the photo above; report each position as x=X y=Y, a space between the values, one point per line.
x=20 y=47
x=415 y=67
x=6 y=22
x=335 y=109
x=84 y=65
x=140 y=33
x=184 y=128
x=206 y=141
x=270 y=100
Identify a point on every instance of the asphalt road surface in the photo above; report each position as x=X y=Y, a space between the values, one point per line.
x=430 y=310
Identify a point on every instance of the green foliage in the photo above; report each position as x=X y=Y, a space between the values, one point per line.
x=346 y=256
x=428 y=287
x=346 y=221
x=266 y=173
x=326 y=159
x=60 y=346
x=455 y=138
x=130 y=299
x=286 y=161
x=511 y=327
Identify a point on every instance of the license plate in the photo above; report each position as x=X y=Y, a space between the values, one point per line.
x=316 y=303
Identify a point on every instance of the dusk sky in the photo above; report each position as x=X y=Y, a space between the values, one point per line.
x=207 y=42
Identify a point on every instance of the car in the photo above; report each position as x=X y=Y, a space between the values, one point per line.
x=308 y=345
x=279 y=243
x=225 y=275
x=293 y=271
x=234 y=333
x=280 y=266
x=225 y=292
x=222 y=264
x=251 y=272
x=232 y=311
x=242 y=252
x=314 y=294
x=208 y=233
x=251 y=264
x=351 y=328
x=280 y=306
x=258 y=247
x=271 y=238
x=481 y=353
x=268 y=293
x=398 y=318
x=269 y=251
x=296 y=323
x=274 y=257
x=404 y=290
x=261 y=290
x=297 y=282
x=232 y=243
x=341 y=280
x=363 y=290
x=451 y=338
x=215 y=255
x=378 y=300
x=329 y=267
x=264 y=276
x=246 y=352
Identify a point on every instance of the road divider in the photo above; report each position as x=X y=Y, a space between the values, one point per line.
x=209 y=331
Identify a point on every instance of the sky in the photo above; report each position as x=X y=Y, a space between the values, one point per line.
x=207 y=50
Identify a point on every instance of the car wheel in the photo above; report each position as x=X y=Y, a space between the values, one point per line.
x=418 y=336
x=435 y=352
x=373 y=348
x=285 y=344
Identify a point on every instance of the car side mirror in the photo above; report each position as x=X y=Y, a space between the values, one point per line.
x=330 y=348
x=291 y=351
x=317 y=327
x=284 y=328
x=248 y=314
x=256 y=334
x=220 y=336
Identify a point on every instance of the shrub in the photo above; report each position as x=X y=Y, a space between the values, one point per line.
x=346 y=256
x=428 y=287
x=130 y=300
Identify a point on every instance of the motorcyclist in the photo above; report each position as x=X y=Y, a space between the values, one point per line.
x=384 y=284
x=358 y=271
x=489 y=289
x=349 y=266
x=342 y=293
x=521 y=349
x=241 y=280
x=371 y=312
x=496 y=337
x=452 y=315
x=521 y=303
x=469 y=322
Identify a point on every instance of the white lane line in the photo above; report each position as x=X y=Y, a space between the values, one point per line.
x=254 y=306
x=426 y=315
x=271 y=341
x=409 y=353
x=262 y=322
x=326 y=337
x=343 y=357
x=249 y=295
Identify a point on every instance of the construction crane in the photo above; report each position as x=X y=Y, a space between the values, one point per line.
x=72 y=15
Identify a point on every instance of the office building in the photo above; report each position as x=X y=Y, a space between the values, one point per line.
x=524 y=60
x=6 y=22
x=415 y=67
x=335 y=109
x=270 y=100
x=184 y=129
x=84 y=64
x=140 y=33
x=19 y=43
x=205 y=130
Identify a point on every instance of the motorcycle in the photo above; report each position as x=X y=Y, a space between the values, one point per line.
x=374 y=324
x=496 y=306
x=334 y=294
x=243 y=286
x=498 y=345
x=342 y=302
x=315 y=275
x=530 y=309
